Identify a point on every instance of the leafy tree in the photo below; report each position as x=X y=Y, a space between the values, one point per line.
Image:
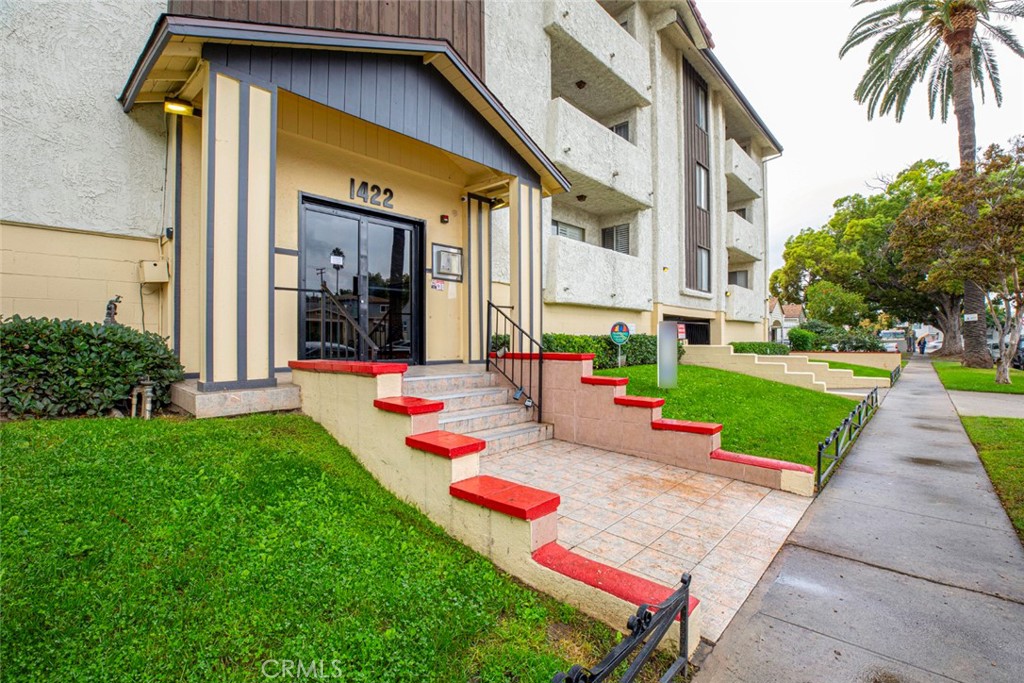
x=938 y=42
x=830 y=302
x=975 y=229
x=853 y=251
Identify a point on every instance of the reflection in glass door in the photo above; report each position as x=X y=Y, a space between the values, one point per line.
x=367 y=263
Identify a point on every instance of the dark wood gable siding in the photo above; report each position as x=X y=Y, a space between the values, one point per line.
x=460 y=22
x=697 y=231
x=398 y=92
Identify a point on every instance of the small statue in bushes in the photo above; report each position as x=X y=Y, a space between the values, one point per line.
x=111 y=317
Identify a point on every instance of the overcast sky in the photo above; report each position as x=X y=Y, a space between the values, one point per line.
x=784 y=55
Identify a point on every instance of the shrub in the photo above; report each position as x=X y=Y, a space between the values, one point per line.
x=763 y=348
x=829 y=337
x=641 y=349
x=50 y=368
x=802 y=340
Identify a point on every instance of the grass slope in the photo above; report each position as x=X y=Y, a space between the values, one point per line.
x=958 y=378
x=859 y=370
x=195 y=550
x=759 y=417
x=1000 y=444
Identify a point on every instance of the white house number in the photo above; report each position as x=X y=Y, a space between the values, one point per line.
x=371 y=194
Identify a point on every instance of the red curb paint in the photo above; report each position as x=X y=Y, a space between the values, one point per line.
x=547 y=356
x=686 y=426
x=614 y=581
x=349 y=367
x=445 y=444
x=639 y=401
x=408 y=405
x=605 y=381
x=515 y=500
x=757 y=461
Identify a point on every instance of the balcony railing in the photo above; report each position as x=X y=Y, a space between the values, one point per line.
x=742 y=239
x=588 y=275
x=743 y=304
x=614 y=172
x=742 y=174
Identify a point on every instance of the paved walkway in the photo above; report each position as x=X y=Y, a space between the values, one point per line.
x=658 y=521
x=987 y=404
x=905 y=569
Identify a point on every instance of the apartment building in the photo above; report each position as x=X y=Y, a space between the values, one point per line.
x=667 y=215
x=266 y=181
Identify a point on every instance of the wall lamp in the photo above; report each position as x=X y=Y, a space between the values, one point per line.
x=174 y=105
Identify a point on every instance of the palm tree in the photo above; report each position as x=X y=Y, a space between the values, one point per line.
x=938 y=42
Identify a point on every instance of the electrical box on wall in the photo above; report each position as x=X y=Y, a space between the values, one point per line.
x=155 y=271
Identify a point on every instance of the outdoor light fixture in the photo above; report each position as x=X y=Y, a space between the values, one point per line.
x=173 y=105
x=728 y=293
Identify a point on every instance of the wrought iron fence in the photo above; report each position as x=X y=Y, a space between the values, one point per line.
x=512 y=352
x=895 y=374
x=842 y=438
x=646 y=628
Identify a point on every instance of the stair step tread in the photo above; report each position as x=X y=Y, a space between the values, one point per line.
x=461 y=375
x=485 y=411
x=509 y=430
x=457 y=393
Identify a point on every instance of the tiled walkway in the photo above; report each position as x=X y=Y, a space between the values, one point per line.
x=659 y=521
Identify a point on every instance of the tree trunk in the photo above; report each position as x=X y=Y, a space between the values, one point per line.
x=947 y=319
x=1002 y=370
x=958 y=39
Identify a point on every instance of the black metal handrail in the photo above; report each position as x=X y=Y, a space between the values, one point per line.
x=511 y=351
x=643 y=626
x=842 y=437
x=895 y=374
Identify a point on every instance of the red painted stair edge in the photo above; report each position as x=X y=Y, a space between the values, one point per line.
x=349 y=367
x=757 y=461
x=671 y=425
x=408 y=405
x=507 y=497
x=446 y=444
x=640 y=401
x=605 y=381
x=619 y=583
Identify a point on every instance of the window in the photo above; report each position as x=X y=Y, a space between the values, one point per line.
x=701 y=104
x=616 y=238
x=561 y=229
x=703 y=191
x=621 y=129
x=703 y=269
x=739 y=278
x=742 y=213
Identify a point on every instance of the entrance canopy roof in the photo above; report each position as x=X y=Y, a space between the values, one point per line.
x=173 y=54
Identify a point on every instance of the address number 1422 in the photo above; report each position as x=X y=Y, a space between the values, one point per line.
x=371 y=194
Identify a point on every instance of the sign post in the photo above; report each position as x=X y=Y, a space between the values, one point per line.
x=668 y=354
x=619 y=336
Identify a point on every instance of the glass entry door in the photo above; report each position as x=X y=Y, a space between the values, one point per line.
x=368 y=264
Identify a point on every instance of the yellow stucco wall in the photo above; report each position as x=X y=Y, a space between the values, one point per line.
x=319 y=151
x=62 y=273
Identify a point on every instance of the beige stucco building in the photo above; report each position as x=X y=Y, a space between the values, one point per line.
x=261 y=182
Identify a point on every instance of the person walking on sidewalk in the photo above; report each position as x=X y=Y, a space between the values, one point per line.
x=921 y=344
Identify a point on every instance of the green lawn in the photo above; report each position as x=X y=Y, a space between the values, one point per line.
x=184 y=550
x=1000 y=443
x=972 y=379
x=859 y=370
x=759 y=417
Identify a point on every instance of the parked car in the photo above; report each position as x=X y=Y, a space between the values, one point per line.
x=1018 y=358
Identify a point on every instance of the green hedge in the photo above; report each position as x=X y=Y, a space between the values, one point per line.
x=802 y=340
x=52 y=368
x=641 y=349
x=763 y=348
x=832 y=338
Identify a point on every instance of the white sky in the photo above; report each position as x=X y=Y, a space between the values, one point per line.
x=784 y=55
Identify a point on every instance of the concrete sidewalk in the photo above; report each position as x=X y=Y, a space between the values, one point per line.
x=988 y=404
x=905 y=569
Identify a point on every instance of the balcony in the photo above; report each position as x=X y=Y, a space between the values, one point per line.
x=610 y=172
x=742 y=174
x=742 y=239
x=588 y=46
x=743 y=304
x=588 y=275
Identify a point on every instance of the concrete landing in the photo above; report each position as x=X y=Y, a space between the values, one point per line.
x=988 y=404
x=906 y=568
x=202 y=404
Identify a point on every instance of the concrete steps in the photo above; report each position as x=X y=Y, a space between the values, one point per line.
x=480 y=404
